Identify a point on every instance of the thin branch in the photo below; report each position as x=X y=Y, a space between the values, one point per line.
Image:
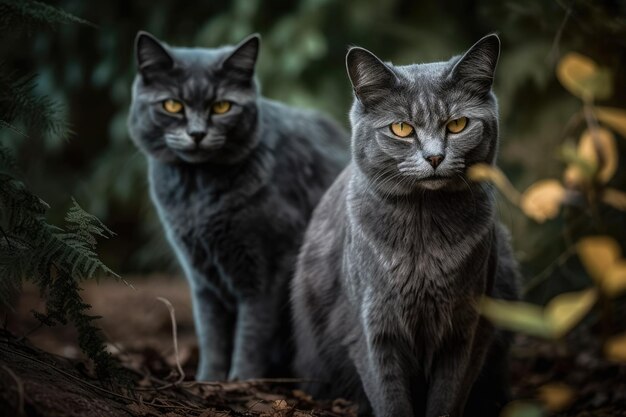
x=67 y=374
x=30 y=332
x=554 y=51
x=543 y=275
x=6 y=238
x=251 y=382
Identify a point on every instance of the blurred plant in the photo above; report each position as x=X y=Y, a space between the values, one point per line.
x=590 y=166
x=56 y=260
x=301 y=63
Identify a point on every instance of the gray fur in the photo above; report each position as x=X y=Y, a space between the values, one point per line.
x=234 y=206
x=398 y=253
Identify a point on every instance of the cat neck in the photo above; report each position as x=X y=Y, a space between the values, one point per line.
x=461 y=210
x=461 y=192
x=179 y=179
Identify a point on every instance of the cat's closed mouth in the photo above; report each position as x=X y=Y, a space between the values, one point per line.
x=436 y=178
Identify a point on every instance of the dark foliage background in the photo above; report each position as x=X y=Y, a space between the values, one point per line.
x=88 y=71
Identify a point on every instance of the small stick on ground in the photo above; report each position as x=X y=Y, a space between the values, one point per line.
x=170 y=307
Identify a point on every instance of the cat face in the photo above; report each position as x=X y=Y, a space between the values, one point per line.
x=420 y=126
x=192 y=104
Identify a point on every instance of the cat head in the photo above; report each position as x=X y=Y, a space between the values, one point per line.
x=193 y=104
x=420 y=126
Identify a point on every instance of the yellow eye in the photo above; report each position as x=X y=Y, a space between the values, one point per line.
x=457 y=125
x=401 y=129
x=173 y=106
x=221 y=107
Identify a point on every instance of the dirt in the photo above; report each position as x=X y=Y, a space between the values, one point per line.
x=46 y=374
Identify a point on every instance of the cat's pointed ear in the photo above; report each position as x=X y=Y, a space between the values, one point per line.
x=152 y=56
x=240 y=63
x=478 y=66
x=370 y=77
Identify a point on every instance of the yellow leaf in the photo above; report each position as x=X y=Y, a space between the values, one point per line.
x=598 y=254
x=615 y=348
x=565 y=310
x=542 y=200
x=516 y=316
x=579 y=170
x=485 y=172
x=556 y=396
x=615 y=198
x=599 y=141
x=614 y=282
x=583 y=77
x=612 y=117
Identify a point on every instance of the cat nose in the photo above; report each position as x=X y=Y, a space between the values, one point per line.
x=434 y=160
x=197 y=135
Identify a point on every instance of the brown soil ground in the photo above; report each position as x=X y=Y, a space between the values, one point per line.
x=569 y=379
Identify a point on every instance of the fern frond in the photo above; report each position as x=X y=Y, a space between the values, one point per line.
x=19 y=103
x=64 y=301
x=6 y=125
x=86 y=225
x=31 y=249
x=27 y=16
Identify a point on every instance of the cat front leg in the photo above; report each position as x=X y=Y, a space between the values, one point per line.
x=454 y=372
x=380 y=362
x=255 y=330
x=214 y=328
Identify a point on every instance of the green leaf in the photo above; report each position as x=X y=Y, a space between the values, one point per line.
x=523 y=409
x=516 y=316
x=553 y=321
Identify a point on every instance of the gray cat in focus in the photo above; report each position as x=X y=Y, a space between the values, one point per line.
x=403 y=246
x=235 y=178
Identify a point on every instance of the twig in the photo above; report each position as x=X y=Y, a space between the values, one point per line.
x=545 y=273
x=6 y=238
x=257 y=381
x=20 y=389
x=572 y=123
x=166 y=404
x=96 y=387
x=170 y=307
x=558 y=262
x=74 y=377
x=554 y=51
x=29 y=332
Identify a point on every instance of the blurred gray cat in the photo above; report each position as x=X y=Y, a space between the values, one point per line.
x=234 y=178
x=402 y=247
